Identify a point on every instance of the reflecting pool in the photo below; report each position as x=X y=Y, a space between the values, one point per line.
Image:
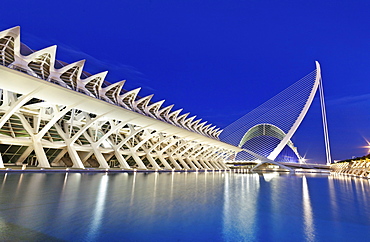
x=176 y=206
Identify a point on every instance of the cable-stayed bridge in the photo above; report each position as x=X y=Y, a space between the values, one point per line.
x=265 y=133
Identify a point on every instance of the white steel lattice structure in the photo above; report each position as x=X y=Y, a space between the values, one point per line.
x=55 y=114
x=265 y=133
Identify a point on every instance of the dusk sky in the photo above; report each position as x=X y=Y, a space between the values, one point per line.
x=219 y=59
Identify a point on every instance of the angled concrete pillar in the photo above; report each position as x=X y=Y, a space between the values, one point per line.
x=153 y=162
x=1 y=162
x=196 y=162
x=164 y=161
x=24 y=156
x=220 y=165
x=40 y=154
x=100 y=157
x=183 y=163
x=203 y=164
x=76 y=160
x=191 y=164
x=223 y=165
x=176 y=165
x=59 y=156
x=138 y=161
x=84 y=156
x=123 y=163
x=210 y=166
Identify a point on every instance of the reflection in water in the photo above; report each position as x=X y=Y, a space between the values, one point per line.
x=4 y=180
x=65 y=181
x=133 y=190
x=212 y=206
x=19 y=183
x=240 y=207
x=154 y=196
x=309 y=229
x=172 y=178
x=99 y=208
x=269 y=176
x=333 y=197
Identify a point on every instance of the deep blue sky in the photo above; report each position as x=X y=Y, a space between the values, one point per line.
x=219 y=59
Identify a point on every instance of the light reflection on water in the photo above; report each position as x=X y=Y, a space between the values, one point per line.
x=309 y=229
x=174 y=206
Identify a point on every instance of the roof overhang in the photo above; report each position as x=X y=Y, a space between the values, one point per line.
x=23 y=83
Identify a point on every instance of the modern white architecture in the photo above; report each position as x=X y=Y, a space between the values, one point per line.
x=55 y=114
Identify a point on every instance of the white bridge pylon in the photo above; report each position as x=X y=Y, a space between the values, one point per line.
x=299 y=120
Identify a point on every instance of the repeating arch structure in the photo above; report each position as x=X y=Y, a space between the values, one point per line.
x=266 y=131
x=56 y=114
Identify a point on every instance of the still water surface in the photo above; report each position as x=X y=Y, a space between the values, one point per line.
x=183 y=207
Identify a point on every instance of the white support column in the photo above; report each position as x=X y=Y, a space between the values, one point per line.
x=59 y=156
x=123 y=163
x=220 y=159
x=196 y=164
x=165 y=163
x=147 y=151
x=25 y=154
x=193 y=158
x=40 y=154
x=163 y=150
x=1 y=161
x=36 y=145
x=158 y=154
x=211 y=165
x=203 y=164
x=133 y=150
x=216 y=165
x=153 y=162
x=84 y=156
x=99 y=157
x=138 y=161
x=224 y=165
x=171 y=156
x=220 y=162
x=177 y=166
x=76 y=160
x=191 y=164
x=181 y=154
x=212 y=160
x=206 y=157
x=183 y=163
x=102 y=160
